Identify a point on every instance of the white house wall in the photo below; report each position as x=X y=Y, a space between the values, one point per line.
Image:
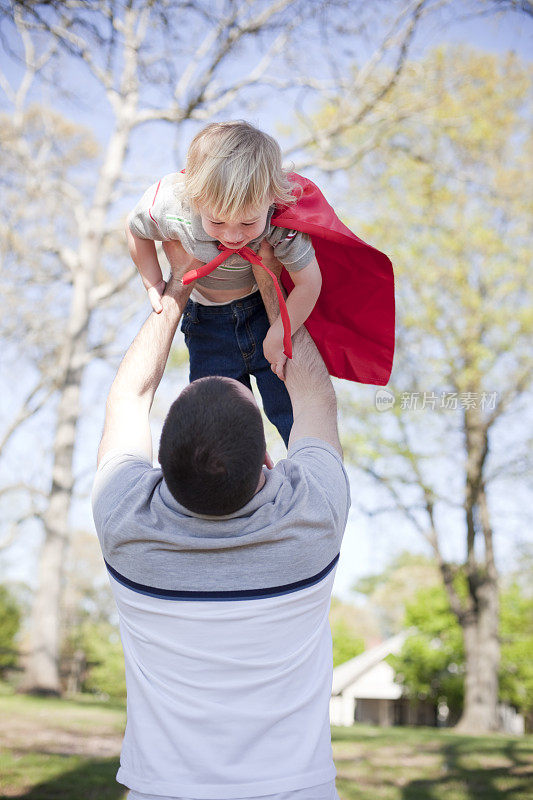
x=342 y=710
x=376 y=684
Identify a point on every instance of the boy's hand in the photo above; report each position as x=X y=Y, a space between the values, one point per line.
x=155 y=294
x=273 y=350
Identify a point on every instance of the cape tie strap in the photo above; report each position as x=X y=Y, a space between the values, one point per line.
x=248 y=254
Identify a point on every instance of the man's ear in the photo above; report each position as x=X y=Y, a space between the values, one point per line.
x=269 y=464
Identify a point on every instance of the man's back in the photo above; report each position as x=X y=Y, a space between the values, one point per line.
x=223 y=618
x=225 y=629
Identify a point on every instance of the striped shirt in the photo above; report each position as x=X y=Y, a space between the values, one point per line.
x=169 y=216
x=224 y=624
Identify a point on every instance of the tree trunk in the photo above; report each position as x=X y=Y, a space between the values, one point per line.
x=482 y=654
x=42 y=665
x=480 y=615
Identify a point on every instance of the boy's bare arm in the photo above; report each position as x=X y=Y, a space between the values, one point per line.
x=144 y=256
x=307 y=380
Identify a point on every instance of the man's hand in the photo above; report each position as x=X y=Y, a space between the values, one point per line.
x=179 y=259
x=273 y=344
x=266 y=254
x=306 y=377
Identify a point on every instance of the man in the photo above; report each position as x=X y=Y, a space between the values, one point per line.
x=222 y=566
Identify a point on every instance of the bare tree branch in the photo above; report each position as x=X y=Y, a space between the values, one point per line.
x=407 y=511
x=510 y=394
x=72 y=42
x=227 y=39
x=110 y=288
x=15 y=528
x=22 y=487
x=29 y=408
x=321 y=137
x=216 y=101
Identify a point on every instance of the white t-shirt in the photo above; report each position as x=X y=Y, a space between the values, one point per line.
x=224 y=625
x=326 y=791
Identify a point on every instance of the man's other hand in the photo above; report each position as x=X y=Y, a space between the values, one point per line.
x=266 y=254
x=179 y=259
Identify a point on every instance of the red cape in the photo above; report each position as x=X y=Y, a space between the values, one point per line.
x=352 y=323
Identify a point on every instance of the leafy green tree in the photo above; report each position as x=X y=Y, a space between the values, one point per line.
x=96 y=643
x=345 y=645
x=445 y=196
x=353 y=628
x=144 y=65
x=516 y=633
x=432 y=662
x=389 y=591
x=10 y=616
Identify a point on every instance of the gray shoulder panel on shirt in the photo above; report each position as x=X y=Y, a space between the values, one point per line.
x=290 y=530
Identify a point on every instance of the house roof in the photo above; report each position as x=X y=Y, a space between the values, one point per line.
x=353 y=670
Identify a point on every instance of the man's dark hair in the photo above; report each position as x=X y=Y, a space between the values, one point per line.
x=212 y=447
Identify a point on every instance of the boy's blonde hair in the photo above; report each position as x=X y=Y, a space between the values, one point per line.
x=233 y=167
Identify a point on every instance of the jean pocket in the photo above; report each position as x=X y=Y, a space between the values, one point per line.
x=187 y=323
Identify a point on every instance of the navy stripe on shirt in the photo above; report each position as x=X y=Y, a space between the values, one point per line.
x=244 y=594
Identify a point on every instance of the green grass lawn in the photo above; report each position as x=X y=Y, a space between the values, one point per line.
x=54 y=749
x=430 y=764
x=68 y=750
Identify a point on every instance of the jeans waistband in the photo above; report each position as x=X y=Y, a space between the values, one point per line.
x=197 y=310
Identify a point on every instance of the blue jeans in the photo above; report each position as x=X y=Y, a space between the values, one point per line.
x=228 y=340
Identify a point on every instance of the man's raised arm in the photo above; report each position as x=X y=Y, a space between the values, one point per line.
x=130 y=398
x=307 y=380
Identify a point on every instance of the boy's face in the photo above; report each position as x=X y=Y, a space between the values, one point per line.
x=235 y=233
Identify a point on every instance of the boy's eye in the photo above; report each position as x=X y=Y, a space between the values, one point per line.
x=212 y=222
